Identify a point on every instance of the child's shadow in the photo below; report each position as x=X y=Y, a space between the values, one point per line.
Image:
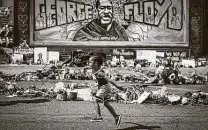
x=139 y=126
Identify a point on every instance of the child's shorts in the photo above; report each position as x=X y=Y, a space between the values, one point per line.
x=104 y=91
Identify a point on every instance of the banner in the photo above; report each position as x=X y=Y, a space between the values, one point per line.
x=152 y=22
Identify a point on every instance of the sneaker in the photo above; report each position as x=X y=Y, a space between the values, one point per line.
x=118 y=120
x=97 y=119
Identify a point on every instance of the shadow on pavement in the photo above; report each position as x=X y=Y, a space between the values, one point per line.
x=139 y=126
x=7 y=103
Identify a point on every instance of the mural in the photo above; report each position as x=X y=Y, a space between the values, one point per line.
x=22 y=21
x=153 y=21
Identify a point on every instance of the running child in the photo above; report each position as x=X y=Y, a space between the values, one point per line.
x=104 y=89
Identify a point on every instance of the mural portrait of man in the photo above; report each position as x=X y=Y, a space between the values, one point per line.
x=131 y=21
x=104 y=27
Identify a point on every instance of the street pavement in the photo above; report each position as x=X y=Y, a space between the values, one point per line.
x=40 y=114
x=76 y=115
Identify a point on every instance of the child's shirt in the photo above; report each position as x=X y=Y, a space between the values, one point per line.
x=100 y=78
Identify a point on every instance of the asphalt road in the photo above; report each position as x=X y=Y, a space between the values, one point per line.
x=76 y=115
x=68 y=115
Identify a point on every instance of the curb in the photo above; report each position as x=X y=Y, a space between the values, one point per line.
x=13 y=102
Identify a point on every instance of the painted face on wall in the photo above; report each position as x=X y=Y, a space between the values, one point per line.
x=105 y=12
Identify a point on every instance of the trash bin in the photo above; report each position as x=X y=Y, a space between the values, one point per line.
x=72 y=96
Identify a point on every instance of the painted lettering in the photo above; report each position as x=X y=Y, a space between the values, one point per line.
x=40 y=16
x=153 y=12
x=80 y=12
x=175 y=15
x=161 y=9
x=138 y=12
x=149 y=12
x=128 y=12
x=49 y=13
x=61 y=12
x=88 y=10
x=71 y=12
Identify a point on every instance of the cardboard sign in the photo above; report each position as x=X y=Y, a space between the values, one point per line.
x=160 y=54
x=149 y=55
x=40 y=54
x=53 y=56
x=17 y=57
x=189 y=63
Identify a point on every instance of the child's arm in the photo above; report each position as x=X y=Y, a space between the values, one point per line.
x=102 y=74
x=115 y=84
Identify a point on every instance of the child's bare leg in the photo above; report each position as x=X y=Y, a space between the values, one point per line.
x=97 y=107
x=110 y=108
x=112 y=111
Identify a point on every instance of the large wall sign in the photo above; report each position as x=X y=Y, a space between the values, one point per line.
x=113 y=22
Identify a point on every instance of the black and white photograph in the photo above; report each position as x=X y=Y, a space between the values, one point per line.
x=103 y=65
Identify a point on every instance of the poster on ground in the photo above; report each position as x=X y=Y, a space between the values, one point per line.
x=40 y=55
x=53 y=56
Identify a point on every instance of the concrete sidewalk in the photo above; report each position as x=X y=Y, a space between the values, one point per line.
x=5 y=101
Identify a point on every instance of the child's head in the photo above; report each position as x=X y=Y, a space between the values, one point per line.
x=96 y=60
